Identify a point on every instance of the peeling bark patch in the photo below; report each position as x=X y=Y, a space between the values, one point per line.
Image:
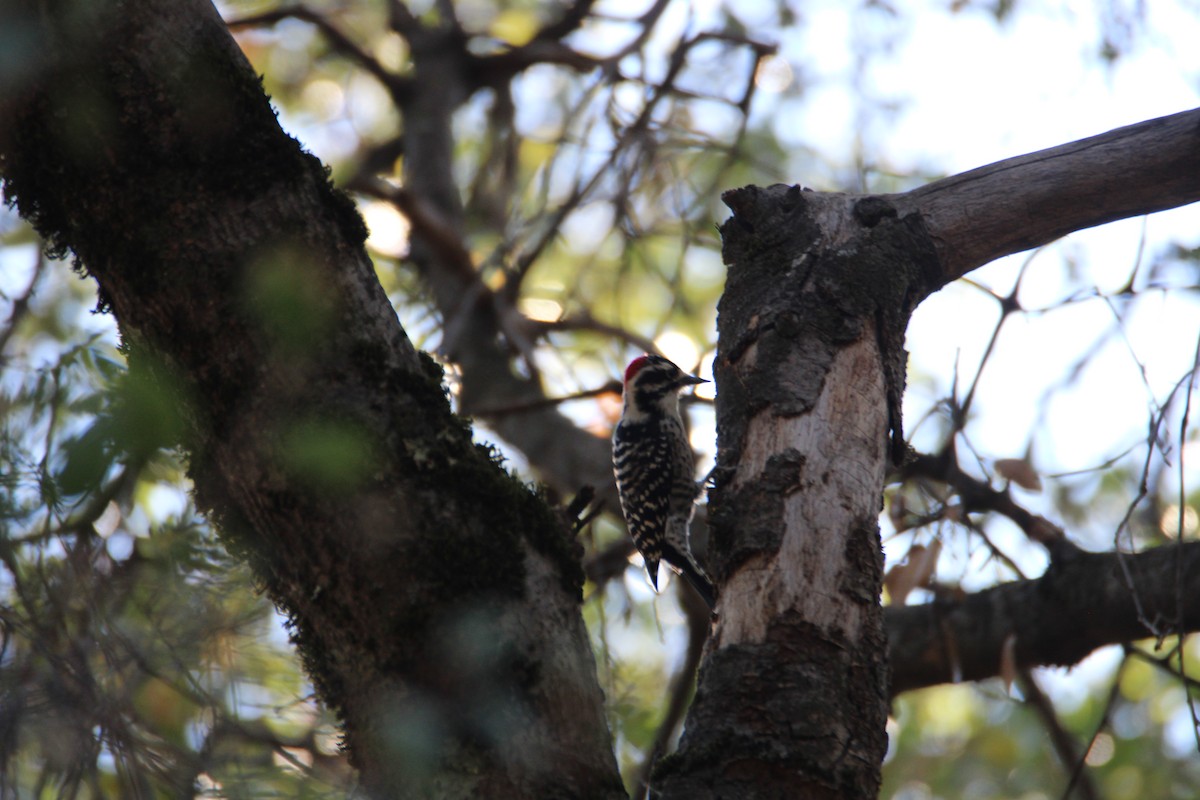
x=776 y=242
x=870 y=211
x=799 y=299
x=864 y=564
x=752 y=520
x=894 y=264
x=793 y=388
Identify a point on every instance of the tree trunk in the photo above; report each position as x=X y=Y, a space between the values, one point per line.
x=434 y=599
x=792 y=698
x=810 y=374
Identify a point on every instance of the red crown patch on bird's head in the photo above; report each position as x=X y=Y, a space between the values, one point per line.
x=635 y=366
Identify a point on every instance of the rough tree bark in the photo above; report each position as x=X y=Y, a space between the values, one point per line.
x=792 y=698
x=138 y=137
x=793 y=692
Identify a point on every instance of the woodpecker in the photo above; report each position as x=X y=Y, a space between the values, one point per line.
x=656 y=469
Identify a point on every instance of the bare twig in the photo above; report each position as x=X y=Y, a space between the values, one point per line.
x=401 y=19
x=1113 y=693
x=1064 y=743
x=397 y=85
x=584 y=321
x=428 y=222
x=1180 y=529
x=20 y=306
x=547 y=402
x=976 y=495
x=1008 y=305
x=1152 y=441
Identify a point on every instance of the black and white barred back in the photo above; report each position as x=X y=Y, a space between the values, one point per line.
x=656 y=469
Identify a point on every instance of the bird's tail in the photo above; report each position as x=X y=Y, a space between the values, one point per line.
x=697 y=577
x=702 y=584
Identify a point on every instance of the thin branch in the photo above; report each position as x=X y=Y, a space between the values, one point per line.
x=1152 y=441
x=1113 y=693
x=542 y=403
x=977 y=495
x=1183 y=508
x=402 y=20
x=428 y=222
x=397 y=85
x=1064 y=743
x=570 y=21
x=448 y=16
x=627 y=141
x=547 y=47
x=1008 y=305
x=584 y=321
x=20 y=306
x=1164 y=664
x=500 y=68
x=994 y=549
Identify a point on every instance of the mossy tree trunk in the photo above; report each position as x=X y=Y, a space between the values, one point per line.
x=435 y=600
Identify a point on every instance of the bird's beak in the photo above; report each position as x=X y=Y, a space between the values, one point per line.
x=691 y=380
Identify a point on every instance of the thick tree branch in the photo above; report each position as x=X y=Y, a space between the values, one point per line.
x=818 y=295
x=1023 y=202
x=1082 y=603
